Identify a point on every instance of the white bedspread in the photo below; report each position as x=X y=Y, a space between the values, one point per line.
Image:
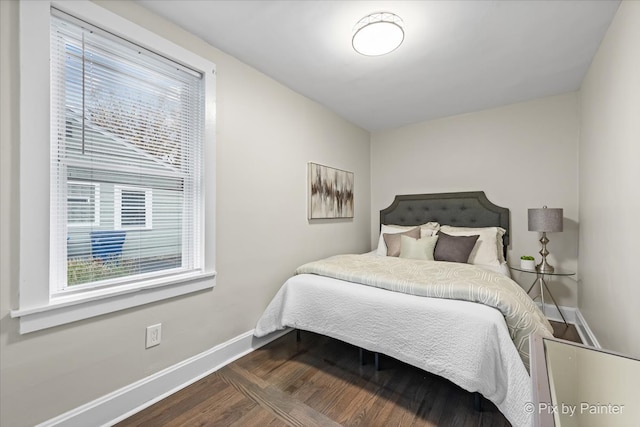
x=465 y=342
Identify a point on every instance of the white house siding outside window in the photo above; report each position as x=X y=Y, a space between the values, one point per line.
x=126 y=152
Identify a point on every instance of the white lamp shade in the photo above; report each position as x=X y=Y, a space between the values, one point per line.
x=378 y=34
x=545 y=219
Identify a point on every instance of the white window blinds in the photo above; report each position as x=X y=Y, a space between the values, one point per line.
x=126 y=150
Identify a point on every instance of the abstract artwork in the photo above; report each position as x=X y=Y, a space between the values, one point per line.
x=330 y=192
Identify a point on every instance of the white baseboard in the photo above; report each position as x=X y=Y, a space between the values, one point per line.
x=122 y=403
x=573 y=316
x=586 y=334
x=552 y=313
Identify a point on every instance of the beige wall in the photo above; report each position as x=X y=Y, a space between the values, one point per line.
x=266 y=134
x=609 y=295
x=522 y=156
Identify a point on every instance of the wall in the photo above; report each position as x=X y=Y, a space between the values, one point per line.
x=522 y=156
x=266 y=134
x=609 y=191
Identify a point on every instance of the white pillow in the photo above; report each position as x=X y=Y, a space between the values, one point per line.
x=488 y=250
x=418 y=249
x=428 y=229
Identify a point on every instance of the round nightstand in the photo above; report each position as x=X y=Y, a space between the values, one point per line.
x=543 y=284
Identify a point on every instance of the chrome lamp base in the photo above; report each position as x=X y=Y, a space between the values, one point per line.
x=544 y=266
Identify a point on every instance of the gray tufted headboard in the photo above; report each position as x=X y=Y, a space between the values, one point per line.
x=464 y=209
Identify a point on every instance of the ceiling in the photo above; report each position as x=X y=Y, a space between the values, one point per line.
x=457 y=56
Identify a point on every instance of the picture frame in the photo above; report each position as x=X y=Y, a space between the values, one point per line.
x=330 y=192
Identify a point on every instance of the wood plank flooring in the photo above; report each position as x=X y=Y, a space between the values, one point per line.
x=319 y=382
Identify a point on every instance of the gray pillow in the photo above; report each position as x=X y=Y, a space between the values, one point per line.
x=392 y=240
x=454 y=248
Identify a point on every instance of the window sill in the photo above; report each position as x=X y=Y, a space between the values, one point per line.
x=67 y=309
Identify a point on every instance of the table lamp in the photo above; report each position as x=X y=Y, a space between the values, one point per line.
x=546 y=220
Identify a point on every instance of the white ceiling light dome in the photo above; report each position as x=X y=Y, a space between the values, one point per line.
x=378 y=34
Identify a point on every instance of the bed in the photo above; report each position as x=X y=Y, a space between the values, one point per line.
x=482 y=347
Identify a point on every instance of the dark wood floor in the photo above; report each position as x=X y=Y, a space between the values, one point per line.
x=319 y=382
x=566 y=332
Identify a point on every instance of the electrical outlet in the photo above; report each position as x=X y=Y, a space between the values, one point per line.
x=154 y=335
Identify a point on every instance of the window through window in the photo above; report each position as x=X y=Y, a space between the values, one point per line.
x=133 y=208
x=83 y=204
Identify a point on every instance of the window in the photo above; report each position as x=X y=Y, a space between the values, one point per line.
x=126 y=115
x=120 y=195
x=83 y=204
x=133 y=208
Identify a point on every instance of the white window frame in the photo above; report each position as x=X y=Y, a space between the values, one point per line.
x=117 y=207
x=38 y=308
x=96 y=205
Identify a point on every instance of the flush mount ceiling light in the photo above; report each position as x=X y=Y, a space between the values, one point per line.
x=378 y=34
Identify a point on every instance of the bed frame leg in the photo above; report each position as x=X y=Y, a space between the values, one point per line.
x=298 y=339
x=376 y=358
x=477 y=401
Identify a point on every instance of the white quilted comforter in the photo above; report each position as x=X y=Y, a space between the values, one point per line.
x=448 y=280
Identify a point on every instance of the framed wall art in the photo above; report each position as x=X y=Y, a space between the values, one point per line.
x=330 y=192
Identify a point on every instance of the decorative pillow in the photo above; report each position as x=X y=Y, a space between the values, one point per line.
x=427 y=229
x=489 y=249
x=389 y=229
x=393 y=240
x=454 y=248
x=417 y=249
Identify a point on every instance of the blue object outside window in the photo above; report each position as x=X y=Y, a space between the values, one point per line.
x=107 y=244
